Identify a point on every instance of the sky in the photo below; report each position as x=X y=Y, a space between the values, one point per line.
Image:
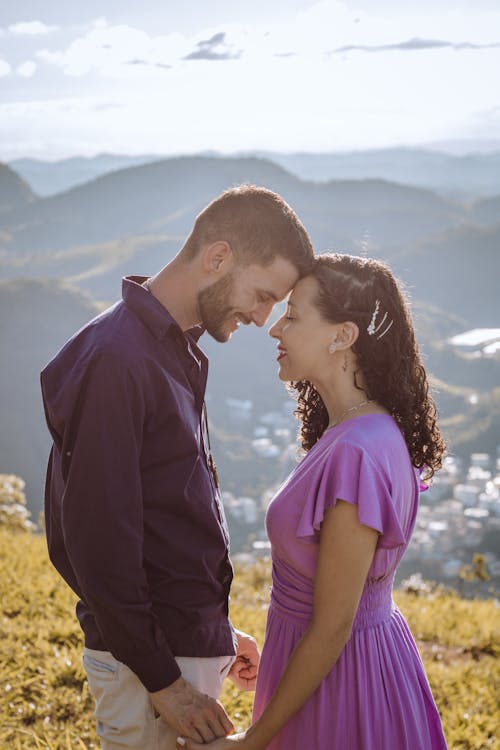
x=165 y=77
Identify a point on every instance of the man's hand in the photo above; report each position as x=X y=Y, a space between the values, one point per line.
x=244 y=670
x=191 y=713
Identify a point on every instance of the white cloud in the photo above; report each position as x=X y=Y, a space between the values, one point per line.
x=326 y=26
x=31 y=28
x=278 y=87
x=27 y=69
x=4 y=68
x=112 y=50
x=330 y=24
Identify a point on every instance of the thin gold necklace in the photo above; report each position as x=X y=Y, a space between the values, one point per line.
x=346 y=412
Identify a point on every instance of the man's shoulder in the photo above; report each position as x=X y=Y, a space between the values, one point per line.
x=105 y=336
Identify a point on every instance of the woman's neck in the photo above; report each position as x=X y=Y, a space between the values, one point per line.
x=343 y=400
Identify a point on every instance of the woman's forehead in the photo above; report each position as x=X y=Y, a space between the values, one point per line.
x=303 y=291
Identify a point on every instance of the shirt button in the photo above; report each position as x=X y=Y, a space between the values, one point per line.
x=68 y=453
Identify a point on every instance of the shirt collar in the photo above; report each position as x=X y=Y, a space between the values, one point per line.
x=153 y=314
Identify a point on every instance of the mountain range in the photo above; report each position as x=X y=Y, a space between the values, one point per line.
x=458 y=175
x=62 y=258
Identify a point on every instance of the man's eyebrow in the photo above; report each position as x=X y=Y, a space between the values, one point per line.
x=270 y=294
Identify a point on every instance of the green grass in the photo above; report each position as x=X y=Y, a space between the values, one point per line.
x=44 y=698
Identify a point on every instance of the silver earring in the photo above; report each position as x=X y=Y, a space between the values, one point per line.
x=345 y=363
x=332 y=348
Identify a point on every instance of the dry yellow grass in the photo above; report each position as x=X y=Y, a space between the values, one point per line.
x=44 y=699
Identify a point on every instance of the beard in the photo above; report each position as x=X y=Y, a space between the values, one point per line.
x=214 y=304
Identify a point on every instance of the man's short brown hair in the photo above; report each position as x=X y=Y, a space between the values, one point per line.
x=257 y=223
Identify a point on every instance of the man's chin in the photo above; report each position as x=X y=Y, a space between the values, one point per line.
x=221 y=335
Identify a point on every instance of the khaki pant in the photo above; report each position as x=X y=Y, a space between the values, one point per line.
x=124 y=713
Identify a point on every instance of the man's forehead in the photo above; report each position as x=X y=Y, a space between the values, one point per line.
x=277 y=279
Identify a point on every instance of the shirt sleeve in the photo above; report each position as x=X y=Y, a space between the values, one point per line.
x=350 y=474
x=102 y=519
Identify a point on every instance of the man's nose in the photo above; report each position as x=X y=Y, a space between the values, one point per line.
x=261 y=314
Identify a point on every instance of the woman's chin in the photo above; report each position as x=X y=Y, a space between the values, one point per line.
x=283 y=374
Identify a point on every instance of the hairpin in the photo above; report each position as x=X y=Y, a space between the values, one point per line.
x=384 y=332
x=372 y=328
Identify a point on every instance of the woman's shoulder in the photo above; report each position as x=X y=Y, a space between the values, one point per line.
x=365 y=430
x=375 y=437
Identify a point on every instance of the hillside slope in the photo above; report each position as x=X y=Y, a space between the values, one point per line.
x=44 y=697
x=458 y=271
x=164 y=197
x=36 y=319
x=37 y=316
x=462 y=176
x=15 y=193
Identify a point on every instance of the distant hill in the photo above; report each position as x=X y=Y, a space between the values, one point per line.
x=159 y=197
x=458 y=271
x=51 y=177
x=486 y=212
x=96 y=269
x=135 y=220
x=73 y=248
x=36 y=318
x=14 y=192
x=461 y=176
x=164 y=197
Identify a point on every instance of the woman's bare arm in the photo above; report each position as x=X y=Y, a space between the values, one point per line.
x=345 y=555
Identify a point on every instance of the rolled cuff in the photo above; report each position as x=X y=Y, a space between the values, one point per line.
x=156 y=670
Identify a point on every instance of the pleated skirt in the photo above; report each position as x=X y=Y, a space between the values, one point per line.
x=376 y=697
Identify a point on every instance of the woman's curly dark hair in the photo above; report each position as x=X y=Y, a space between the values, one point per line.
x=392 y=368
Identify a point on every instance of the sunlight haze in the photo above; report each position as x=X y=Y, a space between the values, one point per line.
x=289 y=76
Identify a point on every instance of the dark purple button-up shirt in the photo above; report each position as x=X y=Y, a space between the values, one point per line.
x=134 y=520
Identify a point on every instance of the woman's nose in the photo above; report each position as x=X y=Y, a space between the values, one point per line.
x=275 y=329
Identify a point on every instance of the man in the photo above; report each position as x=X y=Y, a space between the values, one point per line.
x=134 y=519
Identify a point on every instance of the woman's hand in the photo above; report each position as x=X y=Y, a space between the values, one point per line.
x=224 y=743
x=244 y=670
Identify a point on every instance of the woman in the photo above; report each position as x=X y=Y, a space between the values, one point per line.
x=339 y=668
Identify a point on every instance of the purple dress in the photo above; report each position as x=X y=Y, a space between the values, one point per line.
x=376 y=697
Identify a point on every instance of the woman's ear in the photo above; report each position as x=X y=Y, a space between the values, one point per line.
x=347 y=335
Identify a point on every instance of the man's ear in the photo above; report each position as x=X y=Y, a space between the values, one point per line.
x=217 y=258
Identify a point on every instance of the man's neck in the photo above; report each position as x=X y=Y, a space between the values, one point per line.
x=175 y=288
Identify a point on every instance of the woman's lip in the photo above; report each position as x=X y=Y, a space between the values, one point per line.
x=281 y=354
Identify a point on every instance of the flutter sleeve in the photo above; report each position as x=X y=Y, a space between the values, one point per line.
x=350 y=474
